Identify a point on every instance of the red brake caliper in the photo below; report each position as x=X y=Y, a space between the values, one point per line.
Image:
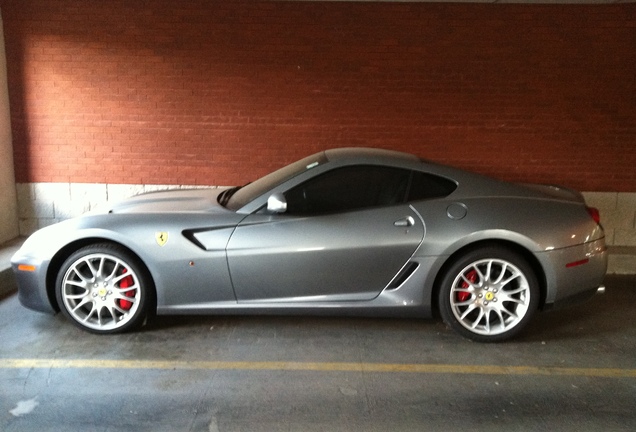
x=126 y=283
x=462 y=296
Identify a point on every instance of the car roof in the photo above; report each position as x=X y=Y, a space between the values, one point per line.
x=365 y=153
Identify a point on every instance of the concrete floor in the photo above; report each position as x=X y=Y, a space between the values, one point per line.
x=573 y=370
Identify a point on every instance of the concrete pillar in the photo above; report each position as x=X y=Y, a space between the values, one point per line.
x=8 y=200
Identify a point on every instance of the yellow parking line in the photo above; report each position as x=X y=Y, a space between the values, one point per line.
x=316 y=366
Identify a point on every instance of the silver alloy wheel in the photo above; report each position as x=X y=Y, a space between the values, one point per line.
x=101 y=291
x=490 y=296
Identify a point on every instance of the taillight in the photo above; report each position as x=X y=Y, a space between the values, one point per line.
x=595 y=214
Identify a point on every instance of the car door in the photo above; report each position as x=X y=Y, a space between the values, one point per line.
x=346 y=234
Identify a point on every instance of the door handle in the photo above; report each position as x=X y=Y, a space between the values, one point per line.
x=406 y=222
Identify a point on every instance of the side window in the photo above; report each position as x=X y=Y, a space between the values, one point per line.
x=349 y=188
x=428 y=186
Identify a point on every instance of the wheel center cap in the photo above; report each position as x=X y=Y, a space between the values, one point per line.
x=490 y=296
x=102 y=292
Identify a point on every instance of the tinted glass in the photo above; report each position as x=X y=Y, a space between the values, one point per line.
x=427 y=186
x=255 y=189
x=347 y=189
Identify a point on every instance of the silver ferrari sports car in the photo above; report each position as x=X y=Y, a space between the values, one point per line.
x=345 y=231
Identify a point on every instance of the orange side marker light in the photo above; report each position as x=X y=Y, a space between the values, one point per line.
x=26 y=267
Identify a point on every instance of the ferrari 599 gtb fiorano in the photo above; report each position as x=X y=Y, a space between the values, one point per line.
x=345 y=231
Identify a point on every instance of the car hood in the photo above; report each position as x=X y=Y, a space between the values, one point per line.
x=190 y=200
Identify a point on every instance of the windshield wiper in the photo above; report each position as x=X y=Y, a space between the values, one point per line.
x=225 y=196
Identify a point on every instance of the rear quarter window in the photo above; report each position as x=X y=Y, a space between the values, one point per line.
x=428 y=186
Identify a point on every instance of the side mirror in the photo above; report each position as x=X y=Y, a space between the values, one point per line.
x=277 y=203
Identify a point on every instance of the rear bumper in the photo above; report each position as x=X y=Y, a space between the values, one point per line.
x=573 y=274
x=575 y=299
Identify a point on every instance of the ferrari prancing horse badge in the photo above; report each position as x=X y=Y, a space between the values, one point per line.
x=161 y=237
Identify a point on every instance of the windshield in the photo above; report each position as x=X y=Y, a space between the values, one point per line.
x=251 y=191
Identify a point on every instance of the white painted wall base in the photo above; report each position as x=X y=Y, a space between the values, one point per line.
x=618 y=215
x=42 y=204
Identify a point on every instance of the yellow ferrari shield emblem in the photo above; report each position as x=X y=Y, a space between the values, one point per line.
x=161 y=238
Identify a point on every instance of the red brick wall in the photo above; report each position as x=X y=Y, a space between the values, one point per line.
x=220 y=92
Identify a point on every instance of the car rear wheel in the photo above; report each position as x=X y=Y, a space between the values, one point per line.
x=489 y=294
x=104 y=289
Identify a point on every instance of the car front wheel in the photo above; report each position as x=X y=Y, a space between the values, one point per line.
x=489 y=294
x=104 y=289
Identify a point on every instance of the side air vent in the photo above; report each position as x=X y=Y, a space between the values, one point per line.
x=403 y=275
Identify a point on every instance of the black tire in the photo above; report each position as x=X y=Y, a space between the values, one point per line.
x=104 y=289
x=489 y=294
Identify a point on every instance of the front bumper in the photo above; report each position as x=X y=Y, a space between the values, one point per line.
x=30 y=275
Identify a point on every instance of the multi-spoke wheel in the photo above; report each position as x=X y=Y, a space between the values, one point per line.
x=103 y=289
x=489 y=294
